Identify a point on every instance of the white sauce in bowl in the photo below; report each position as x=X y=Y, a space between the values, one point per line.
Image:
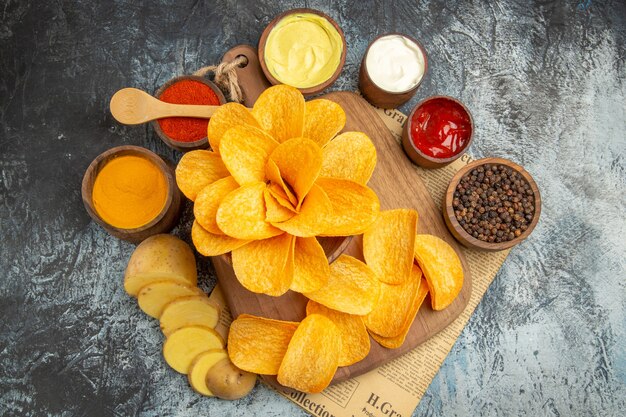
x=395 y=63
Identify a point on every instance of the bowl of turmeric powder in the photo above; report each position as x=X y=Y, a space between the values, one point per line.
x=131 y=192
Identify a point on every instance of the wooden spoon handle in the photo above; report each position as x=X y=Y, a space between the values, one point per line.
x=163 y=109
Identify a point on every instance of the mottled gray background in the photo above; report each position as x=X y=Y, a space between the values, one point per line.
x=545 y=82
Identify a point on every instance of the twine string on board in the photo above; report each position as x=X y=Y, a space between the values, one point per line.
x=226 y=76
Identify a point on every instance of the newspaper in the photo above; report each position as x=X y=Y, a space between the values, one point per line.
x=396 y=388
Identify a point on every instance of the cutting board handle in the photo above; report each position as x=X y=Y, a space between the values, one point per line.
x=251 y=78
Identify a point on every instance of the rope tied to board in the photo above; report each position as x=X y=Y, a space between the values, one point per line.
x=225 y=76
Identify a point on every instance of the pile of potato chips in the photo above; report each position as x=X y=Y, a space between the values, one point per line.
x=379 y=298
x=276 y=179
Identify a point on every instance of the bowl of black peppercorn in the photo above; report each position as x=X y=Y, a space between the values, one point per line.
x=491 y=205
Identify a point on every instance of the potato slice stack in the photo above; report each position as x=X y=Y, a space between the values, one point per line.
x=162 y=275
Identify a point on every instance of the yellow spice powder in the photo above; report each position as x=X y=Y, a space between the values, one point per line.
x=129 y=192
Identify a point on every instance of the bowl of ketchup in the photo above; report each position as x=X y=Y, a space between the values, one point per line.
x=438 y=131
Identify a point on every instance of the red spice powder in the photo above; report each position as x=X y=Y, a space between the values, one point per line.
x=187 y=129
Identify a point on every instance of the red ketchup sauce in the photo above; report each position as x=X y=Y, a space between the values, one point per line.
x=440 y=128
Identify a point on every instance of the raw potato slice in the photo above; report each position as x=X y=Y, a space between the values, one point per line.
x=189 y=311
x=280 y=112
x=388 y=245
x=397 y=341
x=355 y=341
x=442 y=268
x=228 y=382
x=153 y=298
x=310 y=265
x=355 y=206
x=200 y=367
x=257 y=344
x=351 y=156
x=158 y=258
x=227 y=116
x=323 y=119
x=209 y=244
x=182 y=346
x=209 y=199
x=393 y=308
x=352 y=287
x=312 y=357
x=197 y=169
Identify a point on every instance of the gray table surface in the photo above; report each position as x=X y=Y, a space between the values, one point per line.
x=546 y=82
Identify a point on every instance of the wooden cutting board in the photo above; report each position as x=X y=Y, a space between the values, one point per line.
x=398 y=186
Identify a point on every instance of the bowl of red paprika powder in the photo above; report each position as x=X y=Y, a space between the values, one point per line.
x=186 y=133
x=438 y=131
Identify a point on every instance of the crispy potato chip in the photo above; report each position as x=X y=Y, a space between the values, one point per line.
x=257 y=344
x=209 y=244
x=312 y=356
x=265 y=266
x=310 y=265
x=275 y=212
x=323 y=119
x=273 y=174
x=242 y=214
x=397 y=341
x=442 y=268
x=388 y=245
x=197 y=169
x=228 y=115
x=394 y=306
x=279 y=194
x=351 y=156
x=299 y=161
x=310 y=221
x=355 y=207
x=280 y=112
x=355 y=341
x=245 y=151
x=352 y=287
x=209 y=199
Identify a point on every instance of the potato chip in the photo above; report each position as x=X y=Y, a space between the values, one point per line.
x=275 y=212
x=310 y=221
x=351 y=156
x=310 y=265
x=197 y=169
x=397 y=341
x=388 y=245
x=299 y=161
x=273 y=174
x=209 y=244
x=394 y=306
x=352 y=287
x=209 y=199
x=355 y=207
x=242 y=214
x=442 y=268
x=257 y=344
x=312 y=356
x=279 y=194
x=280 y=112
x=245 y=151
x=355 y=341
x=228 y=115
x=323 y=119
x=265 y=266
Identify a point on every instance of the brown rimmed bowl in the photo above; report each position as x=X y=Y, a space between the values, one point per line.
x=316 y=88
x=185 y=146
x=162 y=223
x=415 y=154
x=457 y=230
x=380 y=97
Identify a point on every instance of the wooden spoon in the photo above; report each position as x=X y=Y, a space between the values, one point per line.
x=131 y=106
